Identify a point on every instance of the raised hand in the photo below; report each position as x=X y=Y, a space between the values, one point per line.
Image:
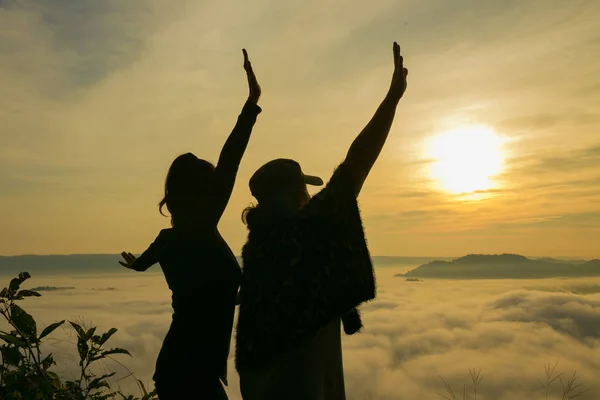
x=129 y=260
x=398 y=85
x=253 y=85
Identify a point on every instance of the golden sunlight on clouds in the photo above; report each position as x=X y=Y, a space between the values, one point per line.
x=508 y=328
x=466 y=159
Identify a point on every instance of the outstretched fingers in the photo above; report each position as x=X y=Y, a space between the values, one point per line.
x=247 y=64
x=253 y=85
x=128 y=257
x=398 y=85
x=398 y=60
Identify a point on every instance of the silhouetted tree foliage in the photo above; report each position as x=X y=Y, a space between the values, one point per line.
x=26 y=373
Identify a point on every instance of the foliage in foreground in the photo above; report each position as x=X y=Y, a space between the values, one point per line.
x=569 y=387
x=26 y=373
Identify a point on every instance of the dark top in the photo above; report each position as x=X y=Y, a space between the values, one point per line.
x=303 y=272
x=202 y=273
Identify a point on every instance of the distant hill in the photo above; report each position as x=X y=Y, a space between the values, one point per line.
x=470 y=266
x=59 y=264
x=494 y=266
x=389 y=261
x=559 y=261
x=591 y=265
x=108 y=263
x=51 y=288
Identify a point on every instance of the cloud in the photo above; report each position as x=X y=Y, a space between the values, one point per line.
x=99 y=98
x=571 y=161
x=539 y=196
x=573 y=315
x=414 y=333
x=446 y=328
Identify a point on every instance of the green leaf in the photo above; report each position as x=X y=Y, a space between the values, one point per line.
x=23 y=276
x=4 y=292
x=79 y=329
x=116 y=351
x=104 y=396
x=13 y=340
x=144 y=391
x=23 y=321
x=100 y=382
x=55 y=379
x=15 y=284
x=27 y=293
x=11 y=355
x=96 y=339
x=95 y=358
x=150 y=396
x=73 y=388
x=83 y=349
x=107 y=335
x=48 y=362
x=50 y=328
x=90 y=333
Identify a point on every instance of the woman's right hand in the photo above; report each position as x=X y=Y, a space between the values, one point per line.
x=253 y=85
x=398 y=85
x=129 y=260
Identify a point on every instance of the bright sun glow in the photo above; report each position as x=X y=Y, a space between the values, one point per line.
x=466 y=159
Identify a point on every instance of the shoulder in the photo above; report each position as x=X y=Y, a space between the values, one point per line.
x=165 y=235
x=337 y=195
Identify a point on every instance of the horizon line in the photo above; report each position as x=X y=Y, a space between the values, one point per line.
x=389 y=256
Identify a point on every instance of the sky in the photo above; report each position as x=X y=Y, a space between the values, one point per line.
x=415 y=333
x=494 y=148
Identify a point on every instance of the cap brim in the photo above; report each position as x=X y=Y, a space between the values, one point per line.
x=313 y=180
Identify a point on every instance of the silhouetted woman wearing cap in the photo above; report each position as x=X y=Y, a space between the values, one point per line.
x=199 y=266
x=306 y=267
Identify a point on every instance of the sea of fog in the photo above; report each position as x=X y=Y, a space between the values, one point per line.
x=415 y=332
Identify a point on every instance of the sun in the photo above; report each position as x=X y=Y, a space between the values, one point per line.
x=466 y=159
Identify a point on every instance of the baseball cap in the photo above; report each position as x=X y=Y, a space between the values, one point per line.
x=277 y=174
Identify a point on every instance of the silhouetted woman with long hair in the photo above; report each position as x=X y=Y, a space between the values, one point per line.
x=306 y=268
x=199 y=267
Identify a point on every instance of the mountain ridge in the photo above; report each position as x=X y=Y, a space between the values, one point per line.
x=507 y=265
x=108 y=263
x=469 y=266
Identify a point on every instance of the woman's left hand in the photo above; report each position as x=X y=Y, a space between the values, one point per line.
x=255 y=90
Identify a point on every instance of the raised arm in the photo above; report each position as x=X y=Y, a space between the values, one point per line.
x=366 y=147
x=235 y=146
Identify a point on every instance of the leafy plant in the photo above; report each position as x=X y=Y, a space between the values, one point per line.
x=26 y=373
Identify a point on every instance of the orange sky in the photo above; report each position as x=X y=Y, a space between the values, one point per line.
x=97 y=99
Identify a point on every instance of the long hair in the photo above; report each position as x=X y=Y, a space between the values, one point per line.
x=279 y=204
x=257 y=216
x=188 y=183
